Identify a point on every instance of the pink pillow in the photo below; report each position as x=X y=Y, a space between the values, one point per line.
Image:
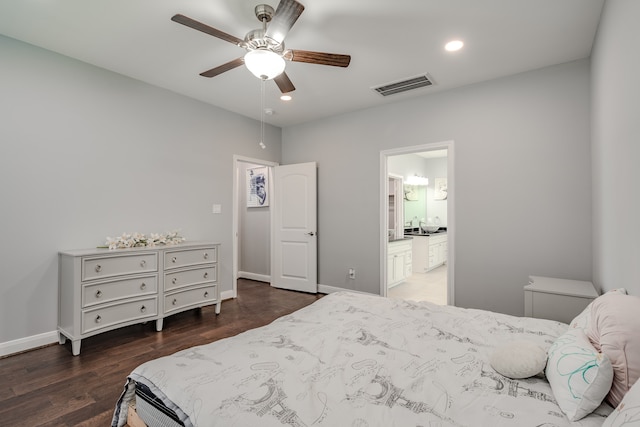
x=614 y=329
x=583 y=319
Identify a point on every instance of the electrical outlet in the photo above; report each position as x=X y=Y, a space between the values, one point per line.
x=352 y=273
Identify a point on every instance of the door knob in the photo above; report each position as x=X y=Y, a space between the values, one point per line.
x=311 y=233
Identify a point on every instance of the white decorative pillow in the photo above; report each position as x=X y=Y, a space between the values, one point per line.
x=519 y=359
x=579 y=375
x=628 y=411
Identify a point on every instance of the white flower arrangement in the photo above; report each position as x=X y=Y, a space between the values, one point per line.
x=136 y=240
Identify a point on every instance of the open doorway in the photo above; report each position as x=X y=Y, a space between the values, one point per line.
x=251 y=220
x=417 y=252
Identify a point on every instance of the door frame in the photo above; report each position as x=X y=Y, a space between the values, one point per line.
x=384 y=213
x=237 y=159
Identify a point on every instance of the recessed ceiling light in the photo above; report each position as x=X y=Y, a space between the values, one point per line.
x=454 y=45
x=286 y=97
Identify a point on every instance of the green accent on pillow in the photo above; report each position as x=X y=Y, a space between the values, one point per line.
x=579 y=375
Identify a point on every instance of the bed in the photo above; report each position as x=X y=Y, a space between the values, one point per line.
x=361 y=361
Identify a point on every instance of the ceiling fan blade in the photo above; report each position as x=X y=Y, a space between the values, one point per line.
x=322 y=58
x=192 y=23
x=222 y=68
x=286 y=15
x=284 y=84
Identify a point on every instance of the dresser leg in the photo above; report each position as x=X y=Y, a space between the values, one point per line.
x=61 y=338
x=75 y=347
x=159 y=325
x=218 y=307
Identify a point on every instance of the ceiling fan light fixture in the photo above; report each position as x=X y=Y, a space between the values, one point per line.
x=454 y=45
x=264 y=64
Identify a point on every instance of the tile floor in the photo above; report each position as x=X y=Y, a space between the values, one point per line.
x=431 y=286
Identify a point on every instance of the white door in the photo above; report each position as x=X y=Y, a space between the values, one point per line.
x=295 y=249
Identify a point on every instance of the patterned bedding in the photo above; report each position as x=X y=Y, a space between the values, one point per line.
x=359 y=361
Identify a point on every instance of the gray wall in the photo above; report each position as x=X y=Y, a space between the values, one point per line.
x=616 y=147
x=85 y=154
x=522 y=176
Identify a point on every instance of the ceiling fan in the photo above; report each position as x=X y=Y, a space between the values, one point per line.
x=265 y=46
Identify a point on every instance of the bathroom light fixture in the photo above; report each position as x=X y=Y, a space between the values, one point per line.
x=417 y=180
x=285 y=97
x=264 y=64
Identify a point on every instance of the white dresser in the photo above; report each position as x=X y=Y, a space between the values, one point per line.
x=557 y=299
x=101 y=289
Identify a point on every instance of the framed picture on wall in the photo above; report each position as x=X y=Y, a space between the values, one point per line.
x=440 y=191
x=410 y=192
x=258 y=187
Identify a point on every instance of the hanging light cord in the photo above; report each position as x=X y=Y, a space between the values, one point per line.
x=262 y=145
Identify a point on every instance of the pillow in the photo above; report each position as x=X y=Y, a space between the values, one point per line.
x=614 y=329
x=519 y=359
x=579 y=375
x=628 y=411
x=584 y=318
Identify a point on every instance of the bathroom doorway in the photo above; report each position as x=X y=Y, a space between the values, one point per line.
x=428 y=237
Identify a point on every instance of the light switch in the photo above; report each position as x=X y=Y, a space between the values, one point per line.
x=217 y=208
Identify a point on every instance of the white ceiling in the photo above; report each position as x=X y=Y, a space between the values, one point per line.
x=388 y=41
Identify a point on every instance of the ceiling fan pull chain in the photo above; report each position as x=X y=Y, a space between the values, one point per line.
x=262 y=144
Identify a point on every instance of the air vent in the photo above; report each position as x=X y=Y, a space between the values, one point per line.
x=404 y=85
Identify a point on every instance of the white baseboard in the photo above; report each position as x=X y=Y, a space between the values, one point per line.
x=28 y=343
x=226 y=295
x=254 y=276
x=326 y=289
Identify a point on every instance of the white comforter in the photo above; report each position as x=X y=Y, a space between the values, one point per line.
x=357 y=360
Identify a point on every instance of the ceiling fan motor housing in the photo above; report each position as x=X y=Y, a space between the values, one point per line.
x=264 y=12
x=255 y=39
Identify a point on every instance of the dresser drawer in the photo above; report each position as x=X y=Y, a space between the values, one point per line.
x=189 y=257
x=109 y=266
x=107 y=291
x=194 y=276
x=106 y=317
x=178 y=300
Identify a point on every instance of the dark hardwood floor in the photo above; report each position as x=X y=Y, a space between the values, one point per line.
x=51 y=387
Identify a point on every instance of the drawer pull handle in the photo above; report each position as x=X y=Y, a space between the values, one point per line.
x=206 y=294
x=174 y=280
x=206 y=274
x=98 y=268
x=174 y=259
x=143 y=263
x=143 y=286
x=143 y=309
x=98 y=293
x=174 y=302
x=98 y=319
x=206 y=255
